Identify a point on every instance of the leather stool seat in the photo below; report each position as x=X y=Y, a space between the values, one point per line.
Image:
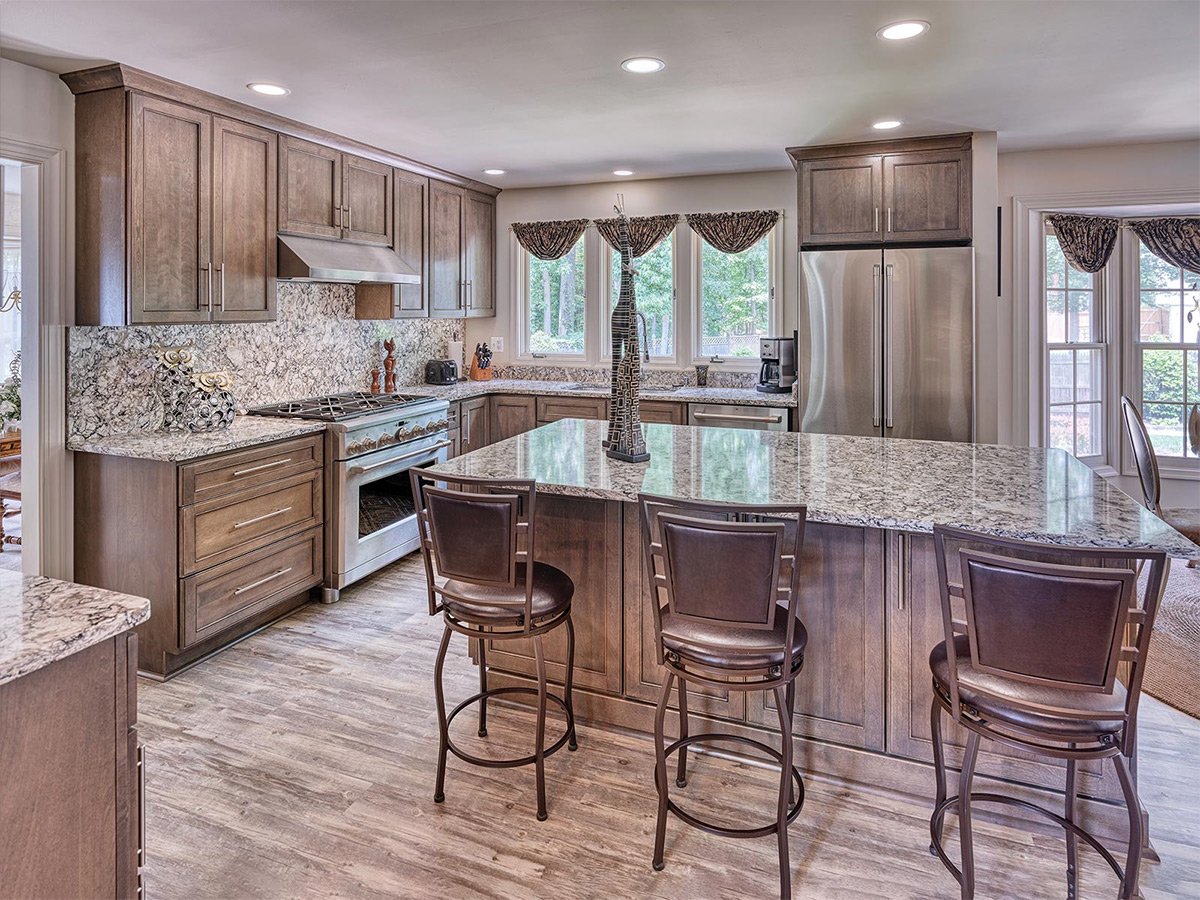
x=552 y=592
x=725 y=647
x=978 y=689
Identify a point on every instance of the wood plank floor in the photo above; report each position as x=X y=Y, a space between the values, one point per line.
x=300 y=763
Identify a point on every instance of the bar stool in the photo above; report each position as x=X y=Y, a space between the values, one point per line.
x=725 y=581
x=477 y=543
x=1033 y=664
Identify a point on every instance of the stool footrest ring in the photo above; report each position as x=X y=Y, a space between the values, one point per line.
x=722 y=830
x=514 y=761
x=939 y=813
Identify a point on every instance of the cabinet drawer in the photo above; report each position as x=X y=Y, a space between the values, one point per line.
x=551 y=409
x=231 y=472
x=231 y=593
x=217 y=530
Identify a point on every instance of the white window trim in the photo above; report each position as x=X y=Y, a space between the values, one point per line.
x=520 y=291
x=775 y=300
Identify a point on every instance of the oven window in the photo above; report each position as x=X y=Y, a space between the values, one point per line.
x=384 y=502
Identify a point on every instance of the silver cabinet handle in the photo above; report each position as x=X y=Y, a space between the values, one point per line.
x=210 y=281
x=358 y=470
x=252 y=585
x=337 y=218
x=221 y=270
x=902 y=582
x=887 y=346
x=349 y=218
x=141 y=773
x=876 y=340
x=730 y=417
x=889 y=219
x=263 y=517
x=237 y=473
x=470 y=294
x=877 y=218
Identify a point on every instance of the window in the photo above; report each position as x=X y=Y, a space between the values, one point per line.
x=556 y=304
x=736 y=299
x=1076 y=411
x=1166 y=351
x=655 y=288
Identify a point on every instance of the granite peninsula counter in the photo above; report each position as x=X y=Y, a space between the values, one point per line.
x=870 y=592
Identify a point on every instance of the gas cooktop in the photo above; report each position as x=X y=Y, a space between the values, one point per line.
x=337 y=407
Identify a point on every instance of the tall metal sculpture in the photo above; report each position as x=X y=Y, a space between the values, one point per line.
x=625 y=440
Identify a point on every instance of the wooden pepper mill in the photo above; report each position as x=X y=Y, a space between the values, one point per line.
x=389 y=366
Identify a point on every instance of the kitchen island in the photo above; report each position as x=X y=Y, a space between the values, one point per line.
x=870 y=594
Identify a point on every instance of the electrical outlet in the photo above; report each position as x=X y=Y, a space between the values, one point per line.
x=497 y=344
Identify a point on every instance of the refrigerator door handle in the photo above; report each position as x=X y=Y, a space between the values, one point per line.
x=876 y=341
x=887 y=346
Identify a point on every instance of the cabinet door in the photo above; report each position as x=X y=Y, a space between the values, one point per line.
x=551 y=409
x=445 y=251
x=512 y=416
x=367 y=201
x=839 y=693
x=479 y=251
x=412 y=199
x=310 y=189
x=663 y=411
x=170 y=212
x=927 y=196
x=474 y=428
x=840 y=200
x=245 y=191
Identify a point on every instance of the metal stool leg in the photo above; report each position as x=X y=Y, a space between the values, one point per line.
x=660 y=771
x=1072 y=839
x=965 y=839
x=572 y=744
x=782 y=706
x=539 y=751
x=939 y=762
x=681 y=775
x=483 y=687
x=439 y=793
x=1133 y=861
x=791 y=709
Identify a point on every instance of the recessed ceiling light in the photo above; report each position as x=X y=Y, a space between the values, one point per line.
x=885 y=124
x=643 y=65
x=271 y=90
x=902 y=31
x=622 y=172
x=493 y=171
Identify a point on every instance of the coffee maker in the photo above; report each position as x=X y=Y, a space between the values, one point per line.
x=778 y=372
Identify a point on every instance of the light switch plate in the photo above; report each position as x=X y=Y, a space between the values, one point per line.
x=497 y=344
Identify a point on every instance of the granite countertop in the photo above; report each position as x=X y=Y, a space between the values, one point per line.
x=465 y=390
x=1032 y=494
x=43 y=620
x=178 y=446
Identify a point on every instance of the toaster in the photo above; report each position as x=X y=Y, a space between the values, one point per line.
x=441 y=371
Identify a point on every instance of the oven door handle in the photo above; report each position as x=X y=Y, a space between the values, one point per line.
x=359 y=470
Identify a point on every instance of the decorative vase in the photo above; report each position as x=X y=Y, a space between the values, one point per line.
x=210 y=405
x=174 y=384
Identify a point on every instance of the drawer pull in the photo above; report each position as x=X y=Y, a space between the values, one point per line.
x=770 y=420
x=263 y=517
x=252 y=585
x=238 y=473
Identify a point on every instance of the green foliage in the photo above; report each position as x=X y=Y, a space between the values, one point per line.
x=10 y=400
x=654 y=287
x=556 y=302
x=736 y=299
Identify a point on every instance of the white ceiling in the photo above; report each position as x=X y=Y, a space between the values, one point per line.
x=535 y=88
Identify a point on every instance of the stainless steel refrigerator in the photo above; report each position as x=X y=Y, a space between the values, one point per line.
x=887 y=343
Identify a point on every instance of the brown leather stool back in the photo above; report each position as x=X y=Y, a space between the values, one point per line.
x=1051 y=617
x=483 y=537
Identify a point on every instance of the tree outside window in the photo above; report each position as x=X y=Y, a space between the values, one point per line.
x=557 y=303
x=735 y=299
x=655 y=290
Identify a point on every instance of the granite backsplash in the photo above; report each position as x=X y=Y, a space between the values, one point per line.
x=315 y=346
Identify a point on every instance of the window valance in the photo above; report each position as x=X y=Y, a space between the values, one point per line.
x=733 y=232
x=549 y=240
x=1174 y=239
x=1087 y=241
x=645 y=232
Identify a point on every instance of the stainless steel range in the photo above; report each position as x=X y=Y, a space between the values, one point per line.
x=372 y=442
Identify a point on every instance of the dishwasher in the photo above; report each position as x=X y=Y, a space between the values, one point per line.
x=721 y=415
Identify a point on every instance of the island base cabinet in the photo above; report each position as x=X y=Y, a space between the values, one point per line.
x=582 y=538
x=914 y=629
x=69 y=777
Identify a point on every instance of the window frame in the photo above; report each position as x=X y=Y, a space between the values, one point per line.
x=1128 y=250
x=607 y=254
x=525 y=353
x=774 y=304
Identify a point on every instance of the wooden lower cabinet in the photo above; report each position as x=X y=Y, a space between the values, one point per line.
x=664 y=412
x=69 y=776
x=221 y=546
x=551 y=409
x=512 y=415
x=474 y=424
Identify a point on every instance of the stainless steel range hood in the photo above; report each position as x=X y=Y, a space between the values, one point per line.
x=314 y=259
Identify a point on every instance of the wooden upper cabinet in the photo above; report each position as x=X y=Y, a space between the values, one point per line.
x=310 y=189
x=927 y=196
x=367 y=201
x=411 y=203
x=170 y=212
x=244 y=216
x=907 y=191
x=479 y=254
x=840 y=200
x=446 y=276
